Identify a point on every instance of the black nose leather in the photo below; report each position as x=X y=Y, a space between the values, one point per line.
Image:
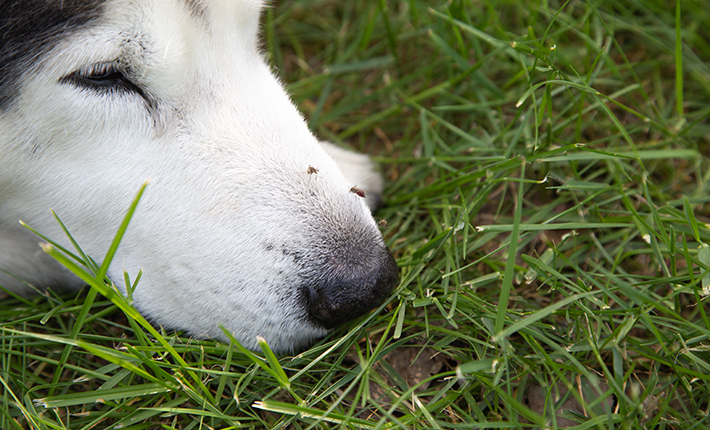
x=363 y=286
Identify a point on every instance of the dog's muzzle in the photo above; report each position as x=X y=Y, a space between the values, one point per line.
x=336 y=299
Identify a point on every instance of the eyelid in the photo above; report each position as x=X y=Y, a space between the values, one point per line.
x=100 y=69
x=105 y=77
x=109 y=77
x=100 y=76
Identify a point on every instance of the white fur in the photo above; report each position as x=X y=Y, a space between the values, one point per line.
x=228 y=155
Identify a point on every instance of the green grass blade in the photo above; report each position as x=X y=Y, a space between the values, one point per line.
x=121 y=231
x=680 y=110
x=510 y=263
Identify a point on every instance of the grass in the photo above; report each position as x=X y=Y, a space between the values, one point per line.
x=548 y=186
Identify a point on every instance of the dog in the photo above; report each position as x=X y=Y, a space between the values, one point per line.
x=249 y=221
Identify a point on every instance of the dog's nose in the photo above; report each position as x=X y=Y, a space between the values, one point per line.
x=338 y=299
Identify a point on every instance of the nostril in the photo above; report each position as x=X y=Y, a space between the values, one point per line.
x=333 y=301
x=322 y=308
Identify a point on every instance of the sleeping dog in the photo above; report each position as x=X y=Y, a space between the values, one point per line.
x=249 y=221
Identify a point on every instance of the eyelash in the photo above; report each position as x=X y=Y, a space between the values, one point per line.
x=103 y=78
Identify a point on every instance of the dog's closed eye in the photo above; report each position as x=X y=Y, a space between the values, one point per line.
x=107 y=78
x=102 y=77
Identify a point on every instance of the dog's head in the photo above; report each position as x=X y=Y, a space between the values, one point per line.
x=247 y=221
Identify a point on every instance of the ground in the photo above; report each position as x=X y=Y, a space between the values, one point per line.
x=547 y=203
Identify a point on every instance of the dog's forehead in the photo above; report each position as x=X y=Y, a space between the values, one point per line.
x=164 y=23
x=217 y=18
x=214 y=9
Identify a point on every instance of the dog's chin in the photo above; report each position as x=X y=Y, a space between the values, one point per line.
x=283 y=343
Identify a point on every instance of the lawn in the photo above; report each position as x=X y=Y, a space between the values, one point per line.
x=548 y=181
